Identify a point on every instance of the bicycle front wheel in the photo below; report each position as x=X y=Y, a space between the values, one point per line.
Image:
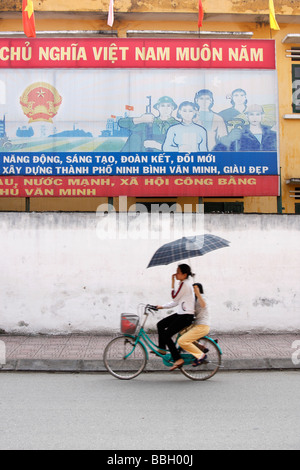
x=124 y=359
x=209 y=367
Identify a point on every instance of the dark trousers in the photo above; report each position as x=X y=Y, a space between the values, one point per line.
x=168 y=327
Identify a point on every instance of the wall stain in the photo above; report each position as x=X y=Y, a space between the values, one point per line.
x=230 y=305
x=265 y=302
x=12 y=5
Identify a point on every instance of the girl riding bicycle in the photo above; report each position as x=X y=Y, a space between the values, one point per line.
x=169 y=326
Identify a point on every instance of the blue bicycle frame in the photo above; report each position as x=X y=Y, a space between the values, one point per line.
x=144 y=340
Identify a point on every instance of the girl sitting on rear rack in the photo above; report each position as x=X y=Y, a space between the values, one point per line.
x=200 y=328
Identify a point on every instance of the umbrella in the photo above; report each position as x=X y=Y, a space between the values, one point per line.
x=187 y=247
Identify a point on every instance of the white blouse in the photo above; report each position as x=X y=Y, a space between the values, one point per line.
x=183 y=298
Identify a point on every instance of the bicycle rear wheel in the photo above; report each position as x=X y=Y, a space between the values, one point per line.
x=209 y=367
x=123 y=358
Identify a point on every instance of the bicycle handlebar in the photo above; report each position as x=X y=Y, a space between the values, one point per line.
x=148 y=308
x=151 y=307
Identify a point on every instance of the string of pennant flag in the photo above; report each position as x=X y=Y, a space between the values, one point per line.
x=272 y=17
x=29 y=21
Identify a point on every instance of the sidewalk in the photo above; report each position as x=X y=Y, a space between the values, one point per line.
x=84 y=353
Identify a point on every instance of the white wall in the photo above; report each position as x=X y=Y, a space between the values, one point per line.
x=59 y=276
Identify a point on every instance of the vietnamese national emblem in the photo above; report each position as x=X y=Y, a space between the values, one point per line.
x=40 y=102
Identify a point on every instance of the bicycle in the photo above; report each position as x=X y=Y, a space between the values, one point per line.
x=125 y=357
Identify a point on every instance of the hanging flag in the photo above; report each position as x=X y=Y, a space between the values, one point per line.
x=129 y=108
x=273 y=22
x=110 y=19
x=201 y=14
x=28 y=18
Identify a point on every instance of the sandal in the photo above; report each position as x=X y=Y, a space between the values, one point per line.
x=199 y=361
x=177 y=364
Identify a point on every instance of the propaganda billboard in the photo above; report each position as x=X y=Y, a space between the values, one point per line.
x=92 y=117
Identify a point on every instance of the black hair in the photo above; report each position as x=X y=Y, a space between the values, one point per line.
x=238 y=90
x=205 y=92
x=185 y=269
x=187 y=103
x=200 y=287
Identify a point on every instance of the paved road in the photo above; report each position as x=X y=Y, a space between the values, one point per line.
x=234 y=410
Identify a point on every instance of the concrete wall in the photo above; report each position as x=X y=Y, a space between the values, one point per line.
x=58 y=274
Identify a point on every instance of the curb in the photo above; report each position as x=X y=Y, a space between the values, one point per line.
x=81 y=365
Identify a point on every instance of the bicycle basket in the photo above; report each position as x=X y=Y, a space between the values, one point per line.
x=129 y=323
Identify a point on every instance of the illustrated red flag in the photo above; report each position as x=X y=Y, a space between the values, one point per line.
x=110 y=19
x=28 y=18
x=201 y=14
x=129 y=108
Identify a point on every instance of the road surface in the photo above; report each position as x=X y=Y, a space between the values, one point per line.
x=165 y=411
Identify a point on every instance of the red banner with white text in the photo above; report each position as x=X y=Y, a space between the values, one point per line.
x=137 y=53
x=150 y=186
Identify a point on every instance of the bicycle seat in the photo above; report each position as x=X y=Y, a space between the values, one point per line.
x=188 y=328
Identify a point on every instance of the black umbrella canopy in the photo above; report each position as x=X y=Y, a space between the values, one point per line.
x=187 y=247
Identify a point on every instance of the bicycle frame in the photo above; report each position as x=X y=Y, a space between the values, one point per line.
x=143 y=338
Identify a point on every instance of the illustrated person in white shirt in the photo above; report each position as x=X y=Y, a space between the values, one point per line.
x=187 y=136
x=184 y=299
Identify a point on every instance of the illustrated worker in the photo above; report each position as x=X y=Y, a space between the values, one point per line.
x=211 y=121
x=256 y=136
x=148 y=132
x=238 y=100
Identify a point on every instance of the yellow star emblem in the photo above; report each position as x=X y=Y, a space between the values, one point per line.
x=29 y=8
x=41 y=93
